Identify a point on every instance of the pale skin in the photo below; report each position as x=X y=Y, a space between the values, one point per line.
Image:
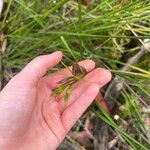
x=31 y=118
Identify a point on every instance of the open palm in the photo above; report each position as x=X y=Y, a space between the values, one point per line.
x=31 y=118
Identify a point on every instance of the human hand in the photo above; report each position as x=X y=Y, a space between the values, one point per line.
x=31 y=118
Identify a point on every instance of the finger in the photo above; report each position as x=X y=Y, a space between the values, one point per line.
x=98 y=76
x=53 y=79
x=38 y=67
x=74 y=111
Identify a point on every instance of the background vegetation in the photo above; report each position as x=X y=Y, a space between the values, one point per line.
x=115 y=34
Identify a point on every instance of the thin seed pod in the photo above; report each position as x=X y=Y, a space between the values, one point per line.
x=66 y=84
x=67 y=95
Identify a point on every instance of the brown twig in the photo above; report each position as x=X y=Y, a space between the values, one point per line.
x=3 y=43
x=112 y=93
x=117 y=84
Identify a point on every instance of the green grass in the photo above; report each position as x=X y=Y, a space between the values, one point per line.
x=104 y=31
